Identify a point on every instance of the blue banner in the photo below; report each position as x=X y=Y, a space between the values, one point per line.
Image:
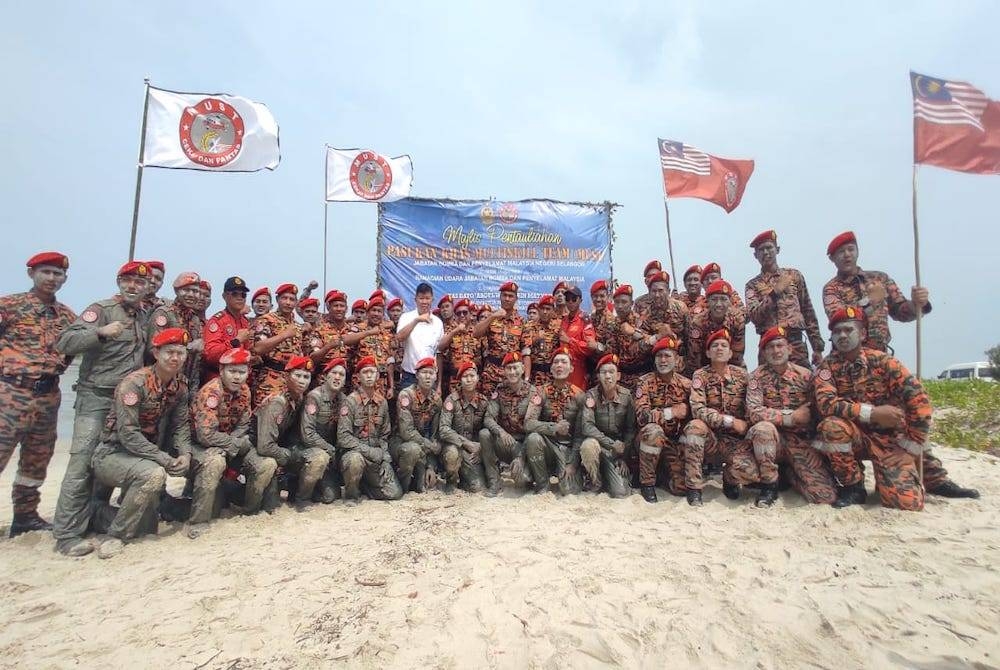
x=467 y=248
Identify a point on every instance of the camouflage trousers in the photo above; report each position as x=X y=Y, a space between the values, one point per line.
x=811 y=475
x=702 y=445
x=308 y=464
x=547 y=457
x=661 y=458
x=893 y=459
x=607 y=471
x=142 y=482
x=377 y=480
x=29 y=420
x=207 y=466
x=494 y=452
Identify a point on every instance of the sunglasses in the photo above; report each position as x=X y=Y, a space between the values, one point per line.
x=573 y=298
x=461 y=312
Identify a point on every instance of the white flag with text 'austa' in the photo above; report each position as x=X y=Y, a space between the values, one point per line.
x=357 y=175
x=209 y=131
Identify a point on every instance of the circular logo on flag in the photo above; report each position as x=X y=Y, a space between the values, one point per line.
x=371 y=176
x=211 y=133
x=508 y=212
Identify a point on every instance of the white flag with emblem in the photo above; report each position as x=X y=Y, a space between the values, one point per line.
x=356 y=175
x=209 y=131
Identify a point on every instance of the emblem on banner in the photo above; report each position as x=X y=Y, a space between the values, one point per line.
x=732 y=182
x=211 y=133
x=508 y=212
x=371 y=176
x=486 y=214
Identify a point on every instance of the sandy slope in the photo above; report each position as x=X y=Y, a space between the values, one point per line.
x=463 y=581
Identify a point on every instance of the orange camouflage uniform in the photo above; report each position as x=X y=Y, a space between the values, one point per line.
x=538 y=341
x=659 y=437
x=880 y=298
x=502 y=337
x=271 y=376
x=701 y=326
x=29 y=389
x=326 y=332
x=633 y=353
x=221 y=423
x=792 y=309
x=464 y=347
x=382 y=347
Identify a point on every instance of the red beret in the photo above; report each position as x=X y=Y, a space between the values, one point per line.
x=365 y=362
x=134 y=268
x=156 y=265
x=840 y=240
x=186 y=279
x=545 y=300
x=342 y=362
x=511 y=357
x=484 y=308
x=359 y=304
x=694 y=269
x=464 y=367
x=766 y=236
x=652 y=265
x=532 y=306
x=709 y=269
x=263 y=290
x=560 y=286
x=205 y=285
x=846 y=314
x=235 y=357
x=607 y=359
x=376 y=302
x=599 y=285
x=377 y=293
x=335 y=296
x=286 y=288
x=299 y=363
x=171 y=336
x=509 y=286
x=624 y=289
x=428 y=362
x=53 y=258
x=665 y=343
x=720 y=334
x=561 y=351
x=395 y=302
x=436 y=312
x=778 y=332
x=463 y=302
x=445 y=298
x=308 y=302
x=719 y=286
x=657 y=276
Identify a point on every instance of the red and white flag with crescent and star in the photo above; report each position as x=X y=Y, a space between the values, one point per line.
x=359 y=175
x=691 y=173
x=955 y=126
x=209 y=131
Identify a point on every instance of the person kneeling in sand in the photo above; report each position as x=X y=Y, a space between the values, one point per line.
x=416 y=448
x=607 y=428
x=318 y=425
x=553 y=445
x=363 y=436
x=461 y=429
x=503 y=437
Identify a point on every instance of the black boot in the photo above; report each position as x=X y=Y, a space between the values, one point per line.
x=948 y=489
x=854 y=494
x=731 y=491
x=649 y=494
x=28 y=522
x=767 y=496
x=694 y=497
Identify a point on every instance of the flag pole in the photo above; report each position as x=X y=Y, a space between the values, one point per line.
x=917 y=309
x=670 y=243
x=138 y=177
x=326 y=208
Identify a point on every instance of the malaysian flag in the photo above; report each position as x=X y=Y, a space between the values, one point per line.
x=948 y=102
x=680 y=156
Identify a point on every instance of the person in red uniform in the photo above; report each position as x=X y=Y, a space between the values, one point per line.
x=577 y=335
x=228 y=328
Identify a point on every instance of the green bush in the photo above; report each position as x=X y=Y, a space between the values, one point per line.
x=966 y=413
x=993 y=356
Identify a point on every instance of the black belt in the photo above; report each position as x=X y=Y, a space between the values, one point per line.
x=37 y=385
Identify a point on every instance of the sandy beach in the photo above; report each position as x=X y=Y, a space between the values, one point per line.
x=523 y=581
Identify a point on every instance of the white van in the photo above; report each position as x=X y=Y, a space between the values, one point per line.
x=980 y=370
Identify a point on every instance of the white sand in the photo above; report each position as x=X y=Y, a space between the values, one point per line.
x=452 y=582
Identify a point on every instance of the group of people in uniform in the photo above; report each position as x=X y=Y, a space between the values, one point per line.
x=276 y=397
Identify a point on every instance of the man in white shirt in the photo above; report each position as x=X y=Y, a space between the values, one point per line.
x=419 y=331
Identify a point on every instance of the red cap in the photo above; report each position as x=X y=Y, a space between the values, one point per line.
x=286 y=288
x=376 y=302
x=709 y=269
x=511 y=357
x=395 y=302
x=335 y=296
x=658 y=276
x=624 y=289
x=186 y=279
x=445 y=298
x=560 y=286
x=846 y=314
x=532 y=306
x=308 y=302
x=484 y=308
x=171 y=336
x=464 y=367
x=235 y=357
x=720 y=334
x=545 y=300
x=365 y=362
x=694 y=269
x=359 y=304
x=428 y=362
x=299 y=363
x=463 y=302
x=840 y=240
x=156 y=265
x=607 y=359
x=509 y=286
x=377 y=293
x=263 y=290
x=652 y=265
x=342 y=362
x=766 y=236
x=53 y=258
x=665 y=343
x=718 y=286
x=561 y=351
x=137 y=268
x=778 y=332
x=599 y=285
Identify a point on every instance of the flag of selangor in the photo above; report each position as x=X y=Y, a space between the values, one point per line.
x=689 y=173
x=209 y=131
x=955 y=126
x=354 y=175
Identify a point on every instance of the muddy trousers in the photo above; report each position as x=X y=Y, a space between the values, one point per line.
x=661 y=457
x=548 y=457
x=377 y=480
x=702 y=445
x=608 y=472
x=142 y=482
x=810 y=473
x=494 y=452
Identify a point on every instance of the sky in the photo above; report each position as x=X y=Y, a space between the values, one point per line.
x=513 y=100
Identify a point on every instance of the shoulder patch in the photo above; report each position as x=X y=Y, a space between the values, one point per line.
x=695 y=332
x=494 y=396
x=536 y=399
x=825 y=375
x=131 y=398
x=229 y=329
x=310 y=407
x=213 y=326
x=344 y=410
x=90 y=316
x=404 y=400
x=753 y=385
x=449 y=405
x=161 y=319
x=212 y=401
x=696 y=383
x=638 y=391
x=590 y=402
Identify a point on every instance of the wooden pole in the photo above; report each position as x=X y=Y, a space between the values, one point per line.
x=138 y=176
x=917 y=308
x=326 y=208
x=670 y=243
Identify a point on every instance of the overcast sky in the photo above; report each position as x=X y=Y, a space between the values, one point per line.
x=513 y=100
